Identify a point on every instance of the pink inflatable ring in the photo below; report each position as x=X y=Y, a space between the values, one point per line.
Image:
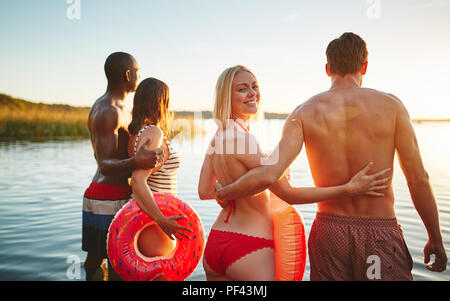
x=123 y=235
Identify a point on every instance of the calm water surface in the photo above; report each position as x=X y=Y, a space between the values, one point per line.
x=42 y=185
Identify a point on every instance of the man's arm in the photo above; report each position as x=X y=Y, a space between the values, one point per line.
x=258 y=179
x=106 y=145
x=419 y=187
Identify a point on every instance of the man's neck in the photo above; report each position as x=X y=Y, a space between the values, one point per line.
x=116 y=93
x=346 y=82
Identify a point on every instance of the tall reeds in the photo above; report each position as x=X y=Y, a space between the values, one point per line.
x=21 y=119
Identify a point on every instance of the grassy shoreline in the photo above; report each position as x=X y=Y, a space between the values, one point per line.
x=20 y=119
x=25 y=120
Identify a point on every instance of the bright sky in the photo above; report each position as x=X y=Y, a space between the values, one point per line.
x=48 y=57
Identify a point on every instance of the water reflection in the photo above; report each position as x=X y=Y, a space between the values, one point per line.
x=42 y=185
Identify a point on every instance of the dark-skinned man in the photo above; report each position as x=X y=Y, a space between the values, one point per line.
x=109 y=190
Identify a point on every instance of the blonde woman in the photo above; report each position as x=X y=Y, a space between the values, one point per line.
x=240 y=244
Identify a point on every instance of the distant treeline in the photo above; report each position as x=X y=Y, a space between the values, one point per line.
x=282 y=116
x=21 y=119
x=208 y=115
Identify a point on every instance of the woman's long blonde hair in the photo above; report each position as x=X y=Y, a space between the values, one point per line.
x=222 y=105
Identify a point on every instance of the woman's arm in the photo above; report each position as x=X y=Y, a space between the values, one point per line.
x=361 y=183
x=207 y=180
x=144 y=196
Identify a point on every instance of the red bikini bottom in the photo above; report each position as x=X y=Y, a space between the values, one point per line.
x=224 y=247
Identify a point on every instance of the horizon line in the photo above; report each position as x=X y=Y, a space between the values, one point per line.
x=190 y=111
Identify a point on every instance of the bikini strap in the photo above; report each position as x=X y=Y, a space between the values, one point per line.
x=240 y=124
x=138 y=135
x=232 y=205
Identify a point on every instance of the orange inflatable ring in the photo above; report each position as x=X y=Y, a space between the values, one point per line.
x=125 y=229
x=289 y=239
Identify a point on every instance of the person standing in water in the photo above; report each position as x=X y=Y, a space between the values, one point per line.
x=343 y=128
x=151 y=120
x=240 y=245
x=109 y=191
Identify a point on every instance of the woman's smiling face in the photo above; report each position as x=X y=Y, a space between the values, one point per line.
x=244 y=95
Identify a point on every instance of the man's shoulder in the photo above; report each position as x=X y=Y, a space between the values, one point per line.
x=392 y=101
x=104 y=107
x=382 y=95
x=104 y=115
x=318 y=97
x=310 y=103
x=322 y=101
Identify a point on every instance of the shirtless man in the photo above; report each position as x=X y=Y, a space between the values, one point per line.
x=343 y=129
x=109 y=190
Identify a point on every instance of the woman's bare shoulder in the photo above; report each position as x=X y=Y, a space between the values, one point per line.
x=152 y=132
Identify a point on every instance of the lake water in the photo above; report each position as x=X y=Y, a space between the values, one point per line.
x=42 y=185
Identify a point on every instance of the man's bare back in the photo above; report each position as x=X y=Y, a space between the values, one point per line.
x=108 y=121
x=344 y=128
